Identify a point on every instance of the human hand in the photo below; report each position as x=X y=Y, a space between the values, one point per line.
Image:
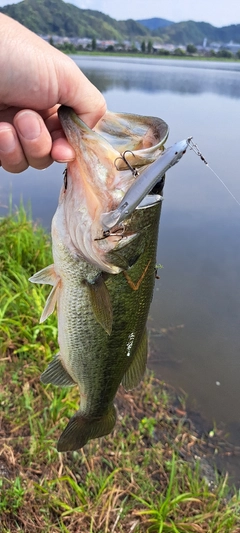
x=36 y=79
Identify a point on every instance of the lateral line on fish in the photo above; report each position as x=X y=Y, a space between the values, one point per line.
x=193 y=146
x=135 y=286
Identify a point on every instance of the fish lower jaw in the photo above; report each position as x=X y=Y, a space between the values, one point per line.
x=94 y=252
x=97 y=261
x=106 y=267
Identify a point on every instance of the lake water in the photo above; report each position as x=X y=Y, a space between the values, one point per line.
x=195 y=318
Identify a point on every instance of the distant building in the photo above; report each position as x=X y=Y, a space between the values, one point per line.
x=232 y=47
x=86 y=43
x=166 y=46
x=103 y=45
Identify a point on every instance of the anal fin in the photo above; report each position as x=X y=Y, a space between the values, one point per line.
x=137 y=368
x=56 y=374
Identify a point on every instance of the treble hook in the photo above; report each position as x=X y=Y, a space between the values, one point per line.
x=118 y=232
x=123 y=156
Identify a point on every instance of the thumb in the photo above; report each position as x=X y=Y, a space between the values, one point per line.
x=76 y=91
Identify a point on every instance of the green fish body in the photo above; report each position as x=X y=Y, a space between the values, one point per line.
x=102 y=284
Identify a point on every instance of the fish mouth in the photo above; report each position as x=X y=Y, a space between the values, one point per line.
x=100 y=176
x=141 y=136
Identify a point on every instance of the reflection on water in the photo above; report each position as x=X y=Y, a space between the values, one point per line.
x=161 y=75
x=194 y=319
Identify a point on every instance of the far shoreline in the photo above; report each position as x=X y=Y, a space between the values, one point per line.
x=95 y=53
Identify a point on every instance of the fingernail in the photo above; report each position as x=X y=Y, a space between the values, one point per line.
x=7 y=140
x=29 y=125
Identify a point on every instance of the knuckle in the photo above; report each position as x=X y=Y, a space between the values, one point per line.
x=14 y=168
x=40 y=163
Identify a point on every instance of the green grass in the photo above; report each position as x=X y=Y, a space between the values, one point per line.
x=153 y=56
x=144 y=477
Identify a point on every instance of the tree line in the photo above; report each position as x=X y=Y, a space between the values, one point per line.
x=147 y=48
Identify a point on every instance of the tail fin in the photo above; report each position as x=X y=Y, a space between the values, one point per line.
x=80 y=429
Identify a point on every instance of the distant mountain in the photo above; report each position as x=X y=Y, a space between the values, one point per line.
x=195 y=32
x=155 y=23
x=56 y=17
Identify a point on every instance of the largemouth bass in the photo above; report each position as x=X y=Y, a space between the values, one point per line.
x=102 y=281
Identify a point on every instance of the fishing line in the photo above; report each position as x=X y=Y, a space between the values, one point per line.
x=196 y=150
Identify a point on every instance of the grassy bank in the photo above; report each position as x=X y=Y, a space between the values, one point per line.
x=152 y=474
x=98 y=53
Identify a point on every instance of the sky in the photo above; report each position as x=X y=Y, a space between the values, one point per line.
x=216 y=12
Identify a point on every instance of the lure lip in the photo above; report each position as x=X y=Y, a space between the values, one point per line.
x=144 y=184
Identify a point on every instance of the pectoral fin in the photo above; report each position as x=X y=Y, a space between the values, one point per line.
x=46 y=276
x=50 y=303
x=56 y=374
x=137 y=368
x=101 y=303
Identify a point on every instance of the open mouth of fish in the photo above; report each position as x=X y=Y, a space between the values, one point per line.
x=109 y=160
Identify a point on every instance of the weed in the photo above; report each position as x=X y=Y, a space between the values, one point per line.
x=13 y=496
x=147 y=425
x=144 y=477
